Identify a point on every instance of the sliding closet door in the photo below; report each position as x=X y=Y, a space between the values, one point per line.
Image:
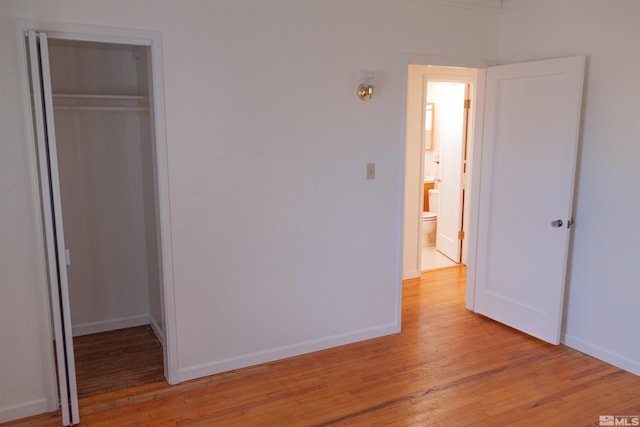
x=54 y=233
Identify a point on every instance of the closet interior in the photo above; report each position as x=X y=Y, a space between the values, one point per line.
x=108 y=187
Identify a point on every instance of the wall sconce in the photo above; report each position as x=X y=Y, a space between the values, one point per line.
x=365 y=89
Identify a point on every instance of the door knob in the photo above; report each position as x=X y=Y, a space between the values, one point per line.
x=557 y=223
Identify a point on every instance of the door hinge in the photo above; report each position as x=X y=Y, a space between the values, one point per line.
x=467 y=103
x=460 y=235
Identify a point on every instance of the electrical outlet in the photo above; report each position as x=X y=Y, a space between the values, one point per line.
x=371 y=171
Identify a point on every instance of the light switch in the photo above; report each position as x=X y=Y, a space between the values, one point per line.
x=371 y=171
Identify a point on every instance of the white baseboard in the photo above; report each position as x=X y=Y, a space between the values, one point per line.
x=157 y=330
x=411 y=274
x=25 y=409
x=215 y=367
x=110 y=325
x=604 y=354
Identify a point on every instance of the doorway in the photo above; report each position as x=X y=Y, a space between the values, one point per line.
x=531 y=124
x=515 y=137
x=102 y=175
x=439 y=142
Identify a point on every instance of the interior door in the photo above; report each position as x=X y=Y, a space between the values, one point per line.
x=52 y=218
x=451 y=113
x=529 y=148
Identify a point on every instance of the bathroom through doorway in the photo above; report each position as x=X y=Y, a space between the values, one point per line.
x=439 y=144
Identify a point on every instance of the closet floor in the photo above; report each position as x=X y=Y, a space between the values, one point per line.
x=116 y=360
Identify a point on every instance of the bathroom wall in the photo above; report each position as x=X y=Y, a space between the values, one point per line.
x=432 y=156
x=280 y=244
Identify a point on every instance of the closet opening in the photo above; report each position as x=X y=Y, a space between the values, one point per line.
x=99 y=188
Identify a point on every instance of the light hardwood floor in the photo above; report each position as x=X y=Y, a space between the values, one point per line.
x=448 y=367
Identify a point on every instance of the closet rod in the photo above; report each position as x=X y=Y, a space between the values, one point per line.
x=98 y=96
x=88 y=108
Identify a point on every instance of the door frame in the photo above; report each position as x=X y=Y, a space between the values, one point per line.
x=474 y=155
x=457 y=75
x=152 y=40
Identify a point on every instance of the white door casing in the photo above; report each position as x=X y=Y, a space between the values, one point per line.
x=529 y=149
x=418 y=77
x=93 y=33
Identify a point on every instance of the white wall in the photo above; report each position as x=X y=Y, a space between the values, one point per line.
x=280 y=245
x=604 y=292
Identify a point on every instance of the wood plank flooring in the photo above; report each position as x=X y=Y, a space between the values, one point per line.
x=116 y=360
x=448 y=367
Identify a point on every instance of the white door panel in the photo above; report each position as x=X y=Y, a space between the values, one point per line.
x=450 y=112
x=52 y=216
x=532 y=120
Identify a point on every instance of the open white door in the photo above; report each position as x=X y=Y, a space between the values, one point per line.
x=451 y=122
x=52 y=218
x=532 y=120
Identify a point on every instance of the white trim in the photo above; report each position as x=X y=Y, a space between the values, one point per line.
x=164 y=207
x=90 y=33
x=152 y=39
x=466 y=75
x=480 y=64
x=446 y=61
x=110 y=325
x=413 y=274
x=473 y=187
x=400 y=274
x=278 y=353
x=25 y=409
x=157 y=330
x=31 y=149
x=602 y=353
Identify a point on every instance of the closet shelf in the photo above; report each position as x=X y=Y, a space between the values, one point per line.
x=100 y=102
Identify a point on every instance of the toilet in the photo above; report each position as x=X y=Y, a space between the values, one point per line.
x=430 y=220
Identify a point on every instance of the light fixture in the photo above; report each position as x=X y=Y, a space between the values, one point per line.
x=365 y=89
